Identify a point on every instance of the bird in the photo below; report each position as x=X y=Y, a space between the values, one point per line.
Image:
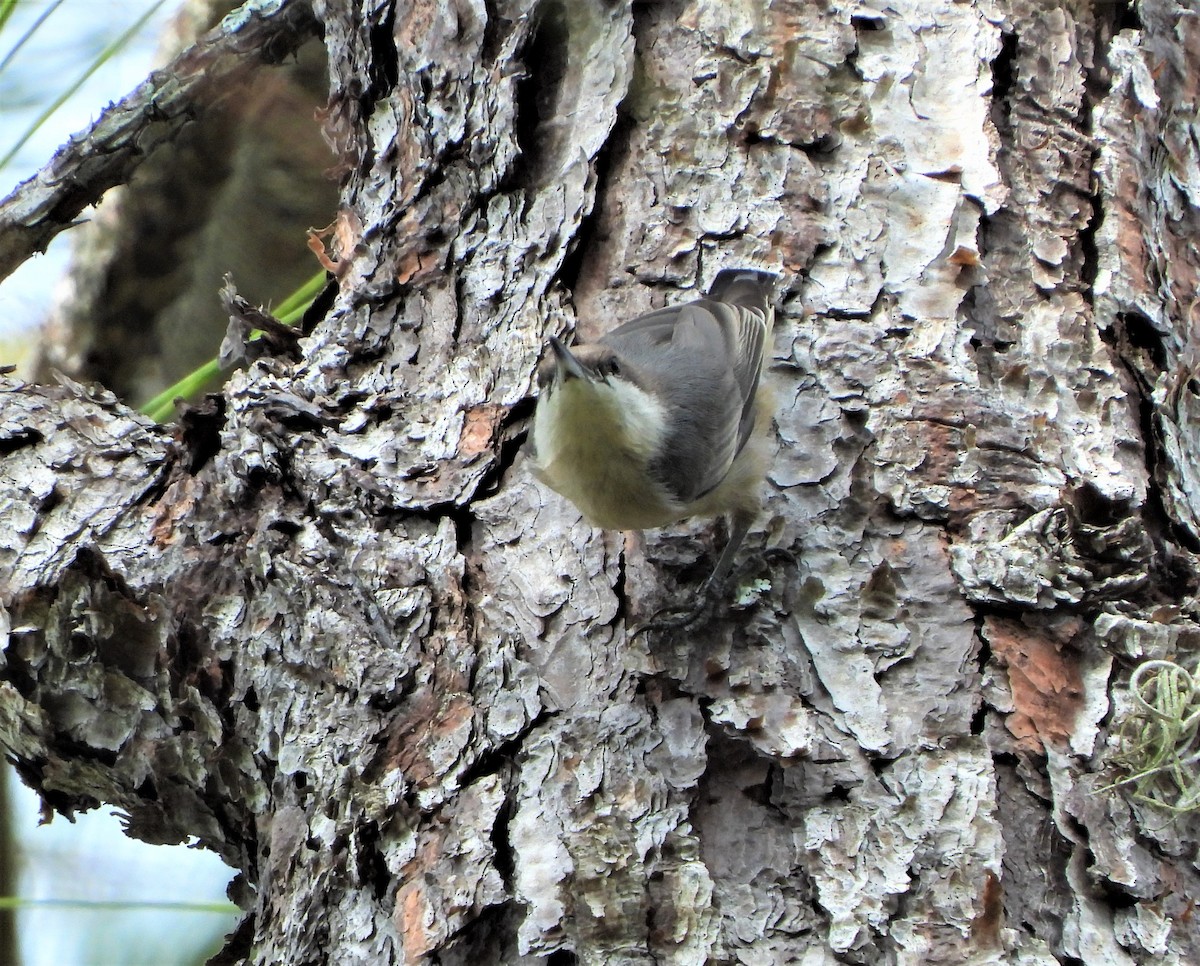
x=663 y=418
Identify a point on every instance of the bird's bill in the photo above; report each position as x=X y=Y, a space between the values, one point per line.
x=568 y=366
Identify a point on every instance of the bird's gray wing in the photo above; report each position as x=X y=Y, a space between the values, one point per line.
x=750 y=293
x=744 y=330
x=700 y=451
x=655 y=328
x=705 y=358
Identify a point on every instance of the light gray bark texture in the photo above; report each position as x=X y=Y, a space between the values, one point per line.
x=334 y=630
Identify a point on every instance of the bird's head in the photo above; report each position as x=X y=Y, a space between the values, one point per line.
x=595 y=365
x=594 y=400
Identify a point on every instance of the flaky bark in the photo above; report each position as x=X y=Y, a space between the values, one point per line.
x=337 y=632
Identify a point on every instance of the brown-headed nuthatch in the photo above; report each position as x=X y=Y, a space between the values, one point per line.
x=662 y=418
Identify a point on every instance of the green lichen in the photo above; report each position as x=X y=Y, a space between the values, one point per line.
x=1158 y=739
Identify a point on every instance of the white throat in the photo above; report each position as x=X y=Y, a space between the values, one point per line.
x=594 y=441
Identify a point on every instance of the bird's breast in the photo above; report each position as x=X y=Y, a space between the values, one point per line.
x=594 y=443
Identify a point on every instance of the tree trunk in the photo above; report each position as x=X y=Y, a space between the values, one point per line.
x=335 y=630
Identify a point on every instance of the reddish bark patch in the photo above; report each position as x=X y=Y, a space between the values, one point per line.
x=420 y=744
x=1047 y=687
x=480 y=425
x=410 y=916
x=985 y=928
x=177 y=505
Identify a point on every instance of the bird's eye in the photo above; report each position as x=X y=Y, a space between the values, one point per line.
x=613 y=368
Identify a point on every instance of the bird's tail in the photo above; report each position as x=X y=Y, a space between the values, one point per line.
x=745 y=286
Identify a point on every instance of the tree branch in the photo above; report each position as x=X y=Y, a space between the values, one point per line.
x=126 y=133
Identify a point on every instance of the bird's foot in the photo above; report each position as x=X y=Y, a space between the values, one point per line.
x=680 y=618
x=715 y=591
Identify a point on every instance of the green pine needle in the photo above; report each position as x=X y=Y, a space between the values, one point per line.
x=1158 y=741
x=6 y=9
x=290 y=310
x=162 y=406
x=113 y=48
x=98 y=905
